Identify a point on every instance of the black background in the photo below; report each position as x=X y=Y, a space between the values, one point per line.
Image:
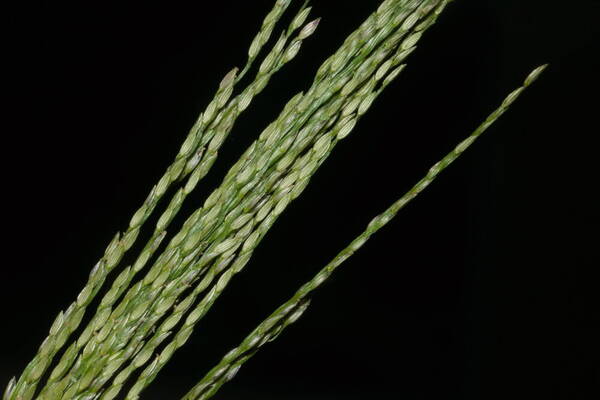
x=483 y=288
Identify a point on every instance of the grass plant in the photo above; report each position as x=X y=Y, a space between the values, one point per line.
x=153 y=305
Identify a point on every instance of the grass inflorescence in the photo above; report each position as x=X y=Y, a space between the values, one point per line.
x=153 y=305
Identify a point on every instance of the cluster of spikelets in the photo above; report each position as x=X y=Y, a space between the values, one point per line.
x=142 y=320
